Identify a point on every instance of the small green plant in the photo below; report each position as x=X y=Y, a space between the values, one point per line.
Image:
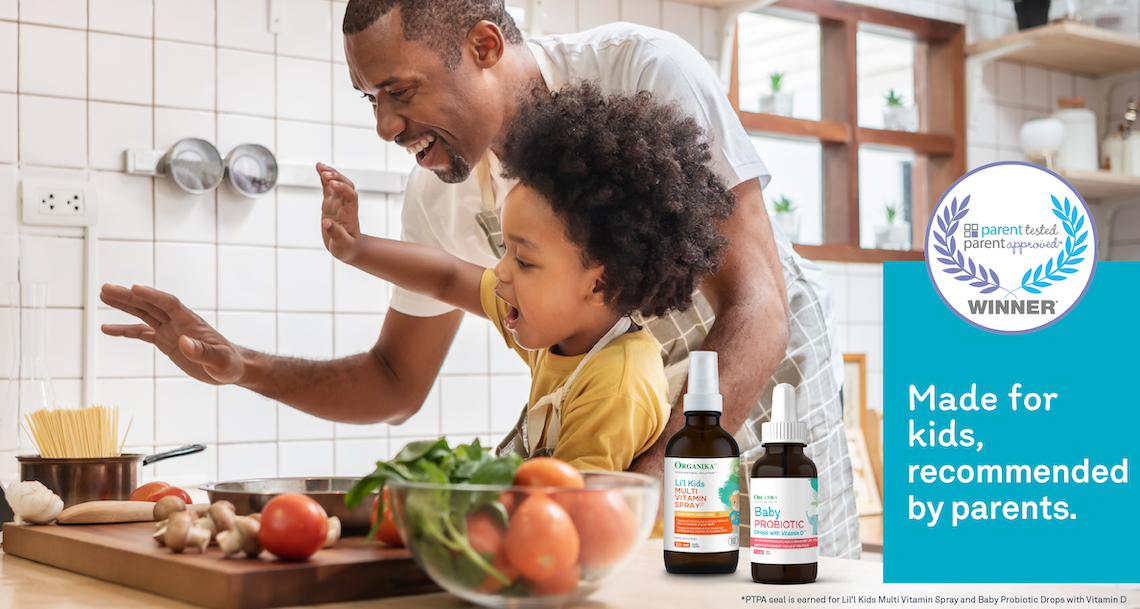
x=783 y=205
x=894 y=211
x=894 y=99
x=777 y=79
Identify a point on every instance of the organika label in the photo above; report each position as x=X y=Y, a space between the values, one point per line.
x=702 y=504
x=785 y=520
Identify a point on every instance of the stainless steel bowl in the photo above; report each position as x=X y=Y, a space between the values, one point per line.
x=249 y=496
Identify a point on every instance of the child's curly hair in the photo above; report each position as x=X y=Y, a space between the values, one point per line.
x=630 y=178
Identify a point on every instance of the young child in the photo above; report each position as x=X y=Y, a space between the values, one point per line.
x=615 y=211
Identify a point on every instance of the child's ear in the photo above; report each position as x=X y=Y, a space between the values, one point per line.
x=597 y=295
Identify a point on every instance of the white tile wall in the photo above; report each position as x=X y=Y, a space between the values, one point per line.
x=82 y=80
x=306 y=29
x=245 y=83
x=126 y=209
x=304 y=89
x=53 y=61
x=247 y=278
x=133 y=17
x=9 y=140
x=119 y=68
x=65 y=13
x=8 y=224
x=53 y=131
x=184 y=75
x=241 y=25
x=184 y=20
x=114 y=128
x=8 y=55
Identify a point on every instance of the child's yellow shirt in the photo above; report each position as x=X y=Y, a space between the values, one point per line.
x=618 y=404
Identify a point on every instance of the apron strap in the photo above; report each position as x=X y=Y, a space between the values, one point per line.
x=552 y=403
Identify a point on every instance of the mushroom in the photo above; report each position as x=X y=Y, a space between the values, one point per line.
x=241 y=538
x=334 y=532
x=167 y=506
x=181 y=533
x=220 y=517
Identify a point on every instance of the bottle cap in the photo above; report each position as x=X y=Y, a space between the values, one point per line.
x=783 y=428
x=704 y=383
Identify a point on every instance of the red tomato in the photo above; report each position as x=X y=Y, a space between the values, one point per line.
x=171 y=490
x=541 y=540
x=484 y=533
x=387 y=533
x=491 y=585
x=293 y=527
x=606 y=527
x=548 y=471
x=144 y=492
x=560 y=583
x=507 y=498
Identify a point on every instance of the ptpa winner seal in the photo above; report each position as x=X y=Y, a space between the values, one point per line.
x=1011 y=248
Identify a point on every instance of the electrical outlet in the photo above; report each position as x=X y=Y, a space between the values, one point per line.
x=52 y=203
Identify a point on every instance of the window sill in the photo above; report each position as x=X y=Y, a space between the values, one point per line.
x=848 y=253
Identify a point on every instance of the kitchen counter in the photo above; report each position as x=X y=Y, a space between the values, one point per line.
x=29 y=585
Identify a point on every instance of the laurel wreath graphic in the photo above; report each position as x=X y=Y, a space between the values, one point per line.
x=987 y=280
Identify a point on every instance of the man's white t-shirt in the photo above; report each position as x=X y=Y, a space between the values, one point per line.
x=620 y=58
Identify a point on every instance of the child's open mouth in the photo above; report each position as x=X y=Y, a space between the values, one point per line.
x=512 y=318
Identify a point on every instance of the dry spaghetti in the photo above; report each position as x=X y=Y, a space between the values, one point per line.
x=65 y=433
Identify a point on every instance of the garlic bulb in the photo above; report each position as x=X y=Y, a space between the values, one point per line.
x=34 y=502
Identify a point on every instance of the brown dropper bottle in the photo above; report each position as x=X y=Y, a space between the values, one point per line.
x=784 y=499
x=702 y=480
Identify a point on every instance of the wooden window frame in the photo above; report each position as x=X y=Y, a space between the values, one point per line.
x=939 y=146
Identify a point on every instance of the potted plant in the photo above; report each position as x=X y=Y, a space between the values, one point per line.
x=898 y=116
x=896 y=234
x=1031 y=13
x=777 y=102
x=787 y=218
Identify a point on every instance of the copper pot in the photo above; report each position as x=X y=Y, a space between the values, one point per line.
x=89 y=479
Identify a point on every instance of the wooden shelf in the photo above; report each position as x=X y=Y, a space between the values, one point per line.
x=925 y=143
x=1102 y=185
x=826 y=131
x=850 y=253
x=1072 y=47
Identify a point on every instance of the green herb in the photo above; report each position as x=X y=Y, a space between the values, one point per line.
x=784 y=205
x=777 y=79
x=893 y=99
x=437 y=518
x=893 y=211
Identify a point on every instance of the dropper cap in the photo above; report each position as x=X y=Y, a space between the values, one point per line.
x=784 y=428
x=704 y=383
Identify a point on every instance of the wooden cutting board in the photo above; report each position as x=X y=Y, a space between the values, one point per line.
x=125 y=554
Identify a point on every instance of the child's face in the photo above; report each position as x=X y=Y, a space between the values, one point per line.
x=555 y=301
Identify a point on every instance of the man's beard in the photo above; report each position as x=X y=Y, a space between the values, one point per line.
x=458 y=168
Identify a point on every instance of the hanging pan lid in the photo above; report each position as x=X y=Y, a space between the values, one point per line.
x=251 y=169
x=194 y=165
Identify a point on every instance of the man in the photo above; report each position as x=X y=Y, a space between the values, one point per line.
x=444 y=78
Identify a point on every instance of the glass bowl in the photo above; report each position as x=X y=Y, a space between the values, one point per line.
x=524 y=547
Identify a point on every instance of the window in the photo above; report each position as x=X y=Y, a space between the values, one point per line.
x=871 y=125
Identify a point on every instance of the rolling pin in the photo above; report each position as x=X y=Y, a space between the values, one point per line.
x=111 y=512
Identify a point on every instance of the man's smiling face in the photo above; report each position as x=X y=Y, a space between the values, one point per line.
x=447 y=118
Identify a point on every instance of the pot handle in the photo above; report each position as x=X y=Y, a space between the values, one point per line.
x=189 y=449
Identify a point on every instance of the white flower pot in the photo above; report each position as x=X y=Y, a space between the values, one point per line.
x=900 y=118
x=779 y=104
x=789 y=223
x=894 y=236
